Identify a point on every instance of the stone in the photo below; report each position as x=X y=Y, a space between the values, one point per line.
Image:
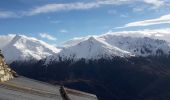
x=5 y=71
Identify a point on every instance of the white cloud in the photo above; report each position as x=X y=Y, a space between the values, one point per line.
x=161 y=20
x=63 y=31
x=87 y=5
x=73 y=6
x=5 y=39
x=124 y=15
x=47 y=36
x=156 y=3
x=153 y=3
x=114 y=2
x=148 y=5
x=58 y=7
x=163 y=34
x=7 y=14
x=55 y=7
x=137 y=9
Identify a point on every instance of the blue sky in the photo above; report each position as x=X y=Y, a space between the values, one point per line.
x=55 y=21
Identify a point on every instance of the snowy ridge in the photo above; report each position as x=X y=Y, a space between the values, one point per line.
x=142 y=46
x=23 y=48
x=75 y=41
x=139 y=46
x=91 y=48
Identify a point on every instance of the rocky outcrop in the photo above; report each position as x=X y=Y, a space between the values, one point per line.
x=5 y=71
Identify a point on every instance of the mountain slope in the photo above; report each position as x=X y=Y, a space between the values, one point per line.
x=142 y=46
x=139 y=46
x=92 y=48
x=25 y=48
x=133 y=78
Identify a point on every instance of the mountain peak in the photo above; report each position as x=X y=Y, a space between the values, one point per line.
x=91 y=48
x=25 y=48
x=15 y=38
x=92 y=38
x=93 y=41
x=139 y=46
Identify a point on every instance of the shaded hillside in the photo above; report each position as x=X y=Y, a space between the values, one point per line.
x=138 y=78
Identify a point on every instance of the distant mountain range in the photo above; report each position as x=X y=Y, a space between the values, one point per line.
x=23 y=48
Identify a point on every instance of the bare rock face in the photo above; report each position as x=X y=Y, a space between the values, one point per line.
x=5 y=71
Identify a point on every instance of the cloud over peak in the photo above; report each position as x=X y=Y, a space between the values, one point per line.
x=163 y=33
x=5 y=39
x=47 y=36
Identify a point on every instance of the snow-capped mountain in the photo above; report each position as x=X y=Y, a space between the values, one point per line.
x=91 y=48
x=22 y=48
x=139 y=46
